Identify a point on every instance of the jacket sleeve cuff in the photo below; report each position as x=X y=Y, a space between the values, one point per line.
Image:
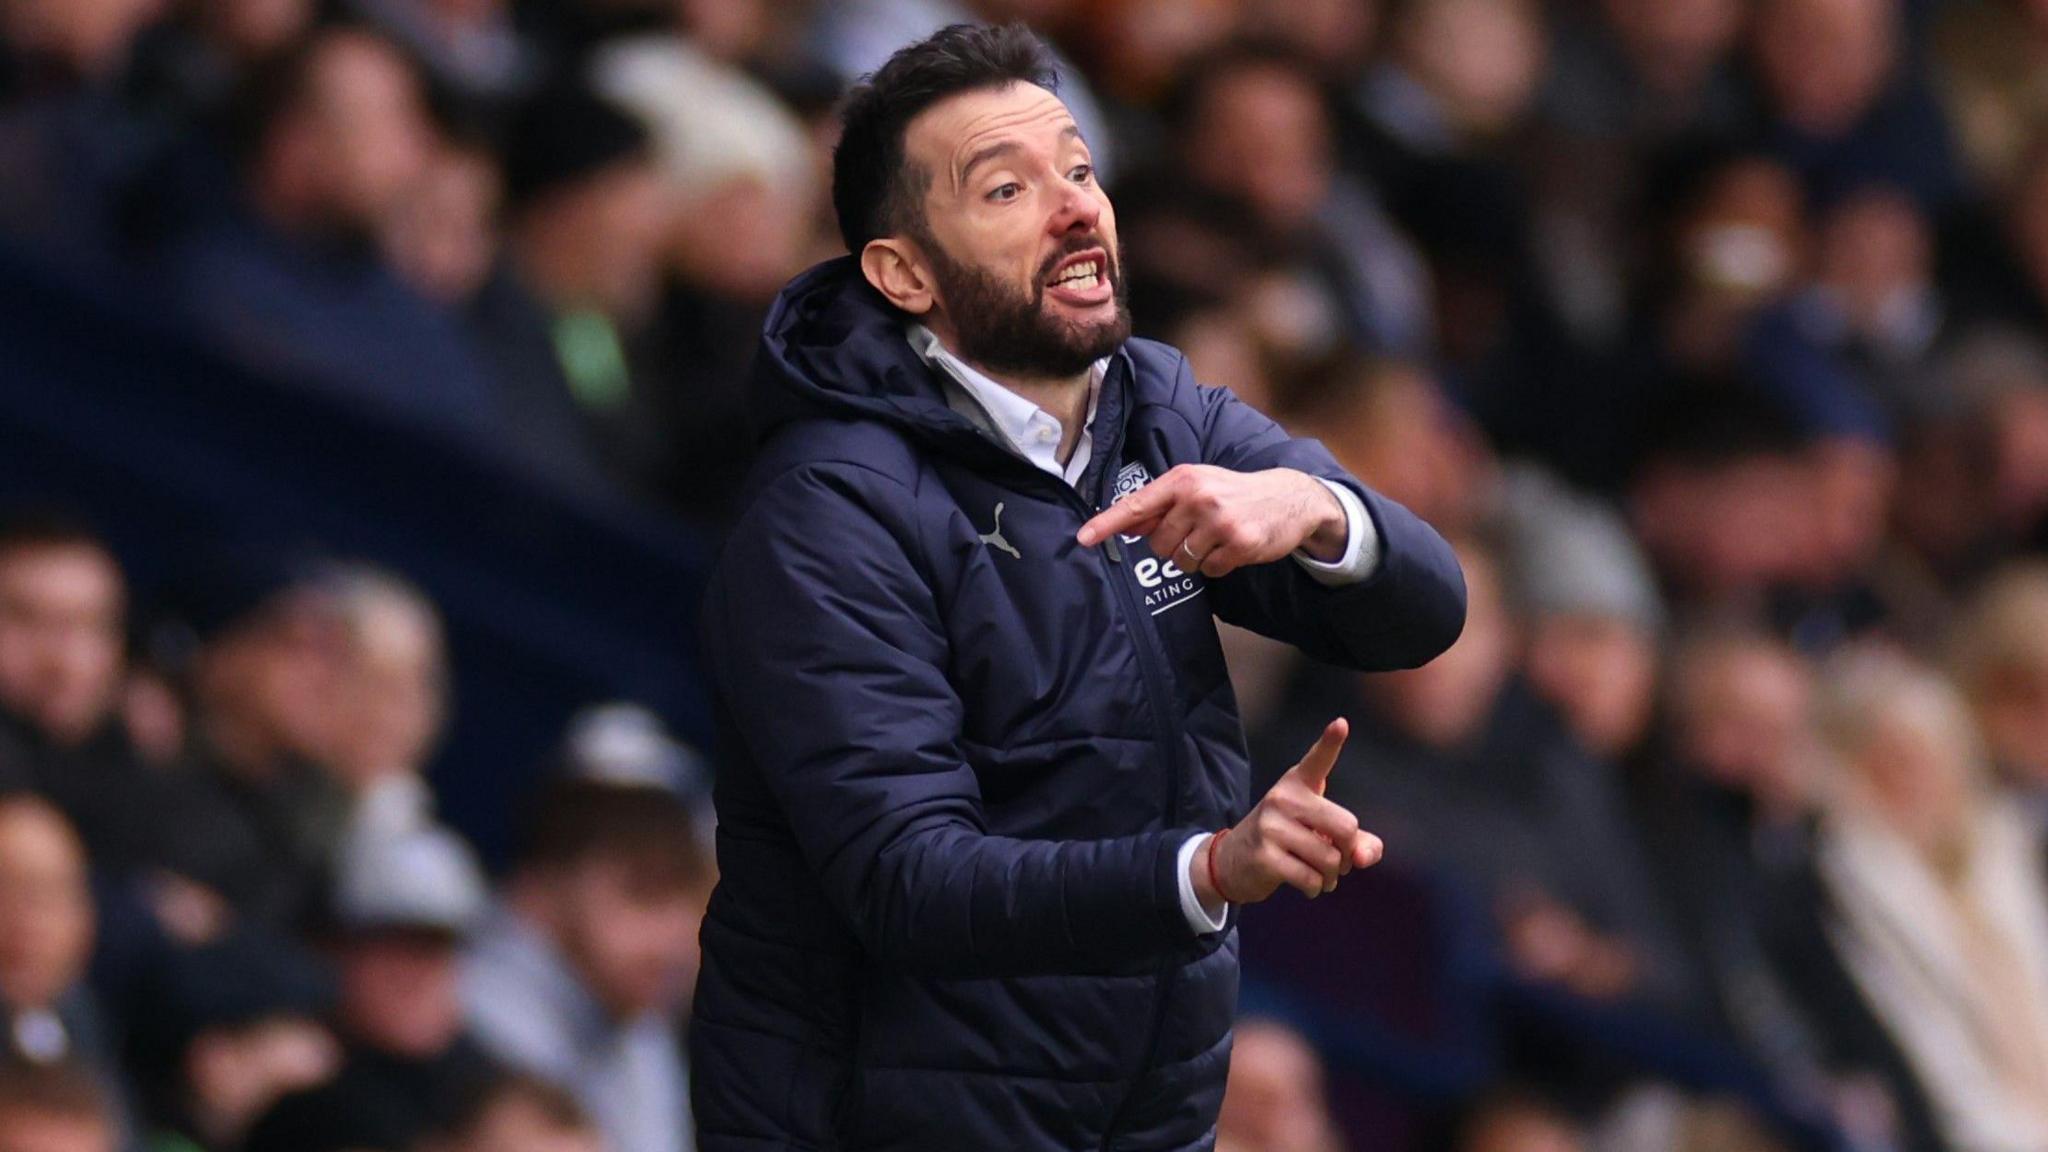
x=1361 y=544
x=1200 y=919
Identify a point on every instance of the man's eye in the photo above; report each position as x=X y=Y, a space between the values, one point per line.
x=1008 y=191
x=1082 y=173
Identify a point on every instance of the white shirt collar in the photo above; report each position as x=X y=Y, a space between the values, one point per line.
x=1031 y=430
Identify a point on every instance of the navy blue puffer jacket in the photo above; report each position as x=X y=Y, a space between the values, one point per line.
x=963 y=755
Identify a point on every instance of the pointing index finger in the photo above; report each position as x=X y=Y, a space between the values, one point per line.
x=1315 y=767
x=1141 y=507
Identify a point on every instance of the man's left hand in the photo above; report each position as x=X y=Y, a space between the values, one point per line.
x=1215 y=521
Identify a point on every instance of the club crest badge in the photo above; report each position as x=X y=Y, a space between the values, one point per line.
x=1129 y=479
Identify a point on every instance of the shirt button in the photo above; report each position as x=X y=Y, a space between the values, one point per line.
x=1045 y=435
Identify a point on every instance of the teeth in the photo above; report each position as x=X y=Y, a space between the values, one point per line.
x=1088 y=271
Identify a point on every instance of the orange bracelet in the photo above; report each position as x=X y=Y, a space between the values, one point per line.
x=1209 y=859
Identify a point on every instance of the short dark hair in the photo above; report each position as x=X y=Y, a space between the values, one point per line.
x=25 y=528
x=646 y=830
x=875 y=190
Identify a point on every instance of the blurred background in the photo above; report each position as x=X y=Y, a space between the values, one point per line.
x=373 y=396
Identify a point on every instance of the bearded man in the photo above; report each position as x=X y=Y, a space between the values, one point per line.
x=985 y=806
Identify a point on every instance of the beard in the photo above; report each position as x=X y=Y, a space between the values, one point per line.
x=1008 y=331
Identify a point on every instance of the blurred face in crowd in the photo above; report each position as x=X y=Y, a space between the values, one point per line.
x=267 y=686
x=1273 y=1101
x=1336 y=34
x=28 y=1129
x=1675 y=42
x=1725 y=527
x=1874 y=256
x=1740 y=246
x=1740 y=708
x=46 y=915
x=390 y=689
x=400 y=991
x=253 y=29
x=1445 y=703
x=1407 y=440
x=1522 y=1128
x=236 y=1074
x=61 y=610
x=1482 y=58
x=2001 y=660
x=598 y=243
x=442 y=238
x=357 y=140
x=1826 y=62
x=634 y=943
x=1015 y=266
x=1600 y=672
x=1908 y=755
x=1260 y=133
x=91 y=36
x=1847 y=499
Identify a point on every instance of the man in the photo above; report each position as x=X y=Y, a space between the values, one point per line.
x=979 y=720
x=401 y=908
x=577 y=980
x=48 y=1016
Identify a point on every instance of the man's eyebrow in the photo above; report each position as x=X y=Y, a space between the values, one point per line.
x=989 y=153
x=1005 y=147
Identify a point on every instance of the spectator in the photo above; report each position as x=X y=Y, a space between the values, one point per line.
x=580 y=975
x=401 y=909
x=63 y=607
x=62 y=1108
x=2000 y=659
x=232 y=1028
x=1849 y=109
x=46 y=937
x=517 y=1114
x=1462 y=767
x=1589 y=612
x=471 y=50
x=1729 y=814
x=389 y=703
x=263 y=686
x=1939 y=909
x=1519 y=1122
x=1274 y=1099
x=286 y=276
x=49 y=46
x=586 y=214
x=1992 y=58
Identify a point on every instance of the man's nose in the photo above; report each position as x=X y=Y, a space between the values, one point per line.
x=1076 y=211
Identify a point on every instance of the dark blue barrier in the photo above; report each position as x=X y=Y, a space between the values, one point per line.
x=553 y=599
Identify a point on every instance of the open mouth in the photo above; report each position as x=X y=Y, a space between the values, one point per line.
x=1082 y=277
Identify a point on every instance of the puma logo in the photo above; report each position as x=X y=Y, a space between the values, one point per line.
x=994 y=536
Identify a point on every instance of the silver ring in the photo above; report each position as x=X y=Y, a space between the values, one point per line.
x=1190 y=551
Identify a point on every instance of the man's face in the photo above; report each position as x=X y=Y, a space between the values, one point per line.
x=46 y=918
x=60 y=638
x=1017 y=253
x=635 y=945
x=367 y=130
x=401 y=992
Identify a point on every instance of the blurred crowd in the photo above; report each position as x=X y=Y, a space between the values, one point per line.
x=1714 y=332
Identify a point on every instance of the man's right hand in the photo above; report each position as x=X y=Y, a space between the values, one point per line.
x=1293 y=836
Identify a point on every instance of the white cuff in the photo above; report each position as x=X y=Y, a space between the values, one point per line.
x=1361 y=544
x=1203 y=921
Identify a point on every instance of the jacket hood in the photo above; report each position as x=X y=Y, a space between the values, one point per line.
x=832 y=347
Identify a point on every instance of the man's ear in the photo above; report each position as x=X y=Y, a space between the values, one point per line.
x=893 y=265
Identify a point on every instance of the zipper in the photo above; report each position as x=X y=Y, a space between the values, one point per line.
x=1153 y=671
x=1157 y=687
